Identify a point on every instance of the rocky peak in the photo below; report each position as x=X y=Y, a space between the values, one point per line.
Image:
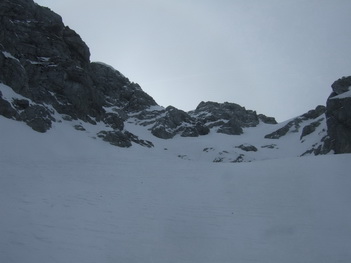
x=42 y=34
x=117 y=91
x=340 y=86
x=339 y=115
x=48 y=64
x=173 y=121
x=229 y=118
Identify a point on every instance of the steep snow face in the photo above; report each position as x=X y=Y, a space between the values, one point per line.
x=65 y=197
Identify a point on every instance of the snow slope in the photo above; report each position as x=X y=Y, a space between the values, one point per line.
x=65 y=198
x=214 y=147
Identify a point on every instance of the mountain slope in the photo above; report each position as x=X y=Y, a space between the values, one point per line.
x=68 y=198
x=263 y=141
x=47 y=80
x=169 y=192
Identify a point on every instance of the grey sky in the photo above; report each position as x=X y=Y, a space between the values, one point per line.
x=278 y=57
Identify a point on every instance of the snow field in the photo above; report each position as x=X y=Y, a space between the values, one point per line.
x=68 y=198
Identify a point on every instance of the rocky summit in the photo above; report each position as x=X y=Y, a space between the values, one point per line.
x=47 y=79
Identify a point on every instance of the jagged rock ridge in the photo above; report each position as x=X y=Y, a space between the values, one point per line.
x=48 y=63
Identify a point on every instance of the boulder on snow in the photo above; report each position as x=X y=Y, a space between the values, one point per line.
x=239 y=159
x=37 y=117
x=7 y=110
x=247 y=147
x=123 y=139
x=116 y=138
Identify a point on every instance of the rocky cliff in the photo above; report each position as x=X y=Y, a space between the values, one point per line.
x=48 y=64
x=339 y=115
x=46 y=77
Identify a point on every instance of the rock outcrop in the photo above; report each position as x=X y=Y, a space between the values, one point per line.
x=295 y=124
x=339 y=115
x=247 y=148
x=49 y=64
x=228 y=118
x=174 y=121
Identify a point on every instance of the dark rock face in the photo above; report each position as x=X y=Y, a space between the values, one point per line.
x=7 y=110
x=339 y=116
x=213 y=111
x=48 y=63
x=47 y=67
x=232 y=127
x=308 y=129
x=341 y=85
x=313 y=114
x=306 y=124
x=174 y=121
x=114 y=89
x=227 y=118
x=123 y=139
x=268 y=120
x=294 y=125
x=283 y=131
x=230 y=118
x=114 y=121
x=117 y=138
x=323 y=148
x=21 y=104
x=37 y=117
x=239 y=159
x=136 y=140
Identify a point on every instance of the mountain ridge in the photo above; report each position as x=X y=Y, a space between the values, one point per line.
x=47 y=78
x=68 y=194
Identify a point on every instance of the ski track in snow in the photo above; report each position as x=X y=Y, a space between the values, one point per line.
x=68 y=198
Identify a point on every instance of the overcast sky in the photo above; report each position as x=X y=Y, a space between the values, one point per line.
x=278 y=57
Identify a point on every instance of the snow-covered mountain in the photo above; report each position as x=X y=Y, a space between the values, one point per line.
x=65 y=197
x=169 y=191
x=47 y=80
